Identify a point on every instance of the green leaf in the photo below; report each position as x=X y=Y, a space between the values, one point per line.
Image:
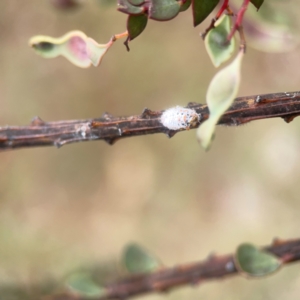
x=254 y=262
x=136 y=25
x=164 y=10
x=221 y=92
x=270 y=30
x=201 y=9
x=186 y=5
x=216 y=43
x=83 y=284
x=257 y=3
x=126 y=7
x=75 y=46
x=138 y=260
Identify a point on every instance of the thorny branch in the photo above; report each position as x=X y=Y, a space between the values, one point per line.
x=215 y=267
x=111 y=129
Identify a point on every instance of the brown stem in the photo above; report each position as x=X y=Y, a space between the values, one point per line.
x=111 y=129
x=163 y=280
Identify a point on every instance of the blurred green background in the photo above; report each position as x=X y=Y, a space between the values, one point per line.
x=81 y=204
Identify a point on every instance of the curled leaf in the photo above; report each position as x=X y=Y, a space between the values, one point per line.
x=254 y=262
x=96 y=51
x=138 y=260
x=83 y=284
x=75 y=46
x=220 y=94
x=217 y=46
x=128 y=7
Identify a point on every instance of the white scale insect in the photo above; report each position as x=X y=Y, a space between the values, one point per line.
x=178 y=117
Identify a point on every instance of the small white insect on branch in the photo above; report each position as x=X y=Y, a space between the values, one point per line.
x=178 y=117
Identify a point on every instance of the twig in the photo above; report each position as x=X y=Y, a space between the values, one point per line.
x=239 y=19
x=111 y=129
x=215 y=267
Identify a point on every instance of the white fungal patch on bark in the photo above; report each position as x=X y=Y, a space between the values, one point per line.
x=178 y=117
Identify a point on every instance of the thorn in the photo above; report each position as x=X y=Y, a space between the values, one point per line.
x=110 y=141
x=57 y=144
x=290 y=118
x=170 y=133
x=211 y=257
x=37 y=121
x=147 y=113
x=277 y=241
x=192 y=104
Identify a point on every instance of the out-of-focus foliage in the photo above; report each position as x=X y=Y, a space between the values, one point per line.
x=138 y=260
x=221 y=92
x=218 y=47
x=253 y=262
x=84 y=285
x=81 y=204
x=271 y=29
x=75 y=46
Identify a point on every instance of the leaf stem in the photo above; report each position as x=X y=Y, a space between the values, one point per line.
x=239 y=19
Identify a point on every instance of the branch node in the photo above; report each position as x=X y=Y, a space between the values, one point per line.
x=290 y=118
x=192 y=105
x=211 y=257
x=260 y=100
x=170 y=133
x=37 y=121
x=110 y=141
x=147 y=113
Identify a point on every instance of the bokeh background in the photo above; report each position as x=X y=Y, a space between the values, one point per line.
x=81 y=204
